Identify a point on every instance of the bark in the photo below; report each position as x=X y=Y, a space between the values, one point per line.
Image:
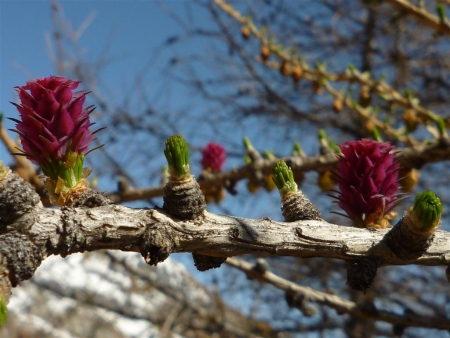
x=36 y=233
x=155 y=234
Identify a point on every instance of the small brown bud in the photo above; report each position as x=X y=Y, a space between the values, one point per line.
x=370 y=126
x=285 y=69
x=253 y=186
x=411 y=120
x=265 y=52
x=326 y=181
x=297 y=73
x=364 y=97
x=338 y=105
x=317 y=88
x=269 y=184
x=408 y=178
x=219 y=196
x=245 y=32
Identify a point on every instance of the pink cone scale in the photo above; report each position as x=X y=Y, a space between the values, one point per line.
x=54 y=127
x=213 y=157
x=53 y=120
x=367 y=176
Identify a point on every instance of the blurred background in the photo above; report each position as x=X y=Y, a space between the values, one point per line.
x=157 y=68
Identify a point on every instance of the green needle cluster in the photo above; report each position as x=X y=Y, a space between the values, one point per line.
x=284 y=178
x=427 y=211
x=177 y=155
x=3 y=312
x=297 y=149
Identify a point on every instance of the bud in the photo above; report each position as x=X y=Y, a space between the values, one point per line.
x=338 y=105
x=177 y=155
x=54 y=132
x=253 y=185
x=245 y=32
x=411 y=120
x=182 y=194
x=296 y=206
x=411 y=237
x=265 y=52
x=285 y=68
x=408 y=178
x=213 y=157
x=268 y=182
x=326 y=181
x=367 y=176
x=426 y=212
x=296 y=73
x=364 y=97
x=284 y=179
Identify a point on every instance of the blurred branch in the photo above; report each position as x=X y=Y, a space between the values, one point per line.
x=423 y=15
x=23 y=166
x=409 y=157
x=365 y=311
x=322 y=78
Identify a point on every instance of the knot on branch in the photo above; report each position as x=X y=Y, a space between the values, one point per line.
x=156 y=245
x=72 y=239
x=300 y=301
x=20 y=258
x=90 y=199
x=296 y=207
x=184 y=198
x=204 y=263
x=17 y=197
x=361 y=273
x=407 y=243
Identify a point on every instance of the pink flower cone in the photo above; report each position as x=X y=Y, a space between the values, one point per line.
x=213 y=157
x=53 y=122
x=54 y=131
x=367 y=176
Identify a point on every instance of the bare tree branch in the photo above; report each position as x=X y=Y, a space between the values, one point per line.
x=341 y=305
x=423 y=15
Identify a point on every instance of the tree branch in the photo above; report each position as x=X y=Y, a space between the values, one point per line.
x=423 y=15
x=410 y=157
x=155 y=234
x=308 y=294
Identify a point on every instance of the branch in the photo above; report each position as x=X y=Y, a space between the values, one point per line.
x=423 y=15
x=155 y=234
x=308 y=294
x=30 y=233
x=320 y=76
x=410 y=157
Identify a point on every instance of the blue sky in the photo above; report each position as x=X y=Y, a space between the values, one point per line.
x=132 y=30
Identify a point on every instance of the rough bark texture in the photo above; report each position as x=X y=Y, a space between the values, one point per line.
x=204 y=263
x=361 y=274
x=297 y=207
x=16 y=199
x=184 y=199
x=407 y=243
x=90 y=199
x=156 y=234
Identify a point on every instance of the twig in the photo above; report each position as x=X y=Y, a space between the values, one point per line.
x=423 y=15
x=339 y=304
